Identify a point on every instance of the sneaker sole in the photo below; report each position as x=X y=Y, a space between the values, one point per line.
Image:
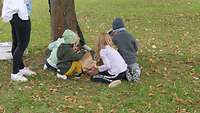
x=114 y=83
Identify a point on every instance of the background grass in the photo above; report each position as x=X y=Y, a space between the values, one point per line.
x=169 y=34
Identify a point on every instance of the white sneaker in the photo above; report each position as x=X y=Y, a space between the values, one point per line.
x=27 y=72
x=115 y=83
x=45 y=67
x=61 y=76
x=18 y=77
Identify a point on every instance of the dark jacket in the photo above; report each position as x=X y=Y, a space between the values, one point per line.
x=127 y=46
x=66 y=55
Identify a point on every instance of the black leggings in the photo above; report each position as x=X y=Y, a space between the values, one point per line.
x=21 y=30
x=105 y=77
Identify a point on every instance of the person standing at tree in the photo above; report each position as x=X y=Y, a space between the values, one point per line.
x=17 y=12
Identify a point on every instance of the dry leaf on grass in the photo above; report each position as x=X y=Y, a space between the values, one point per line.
x=71 y=99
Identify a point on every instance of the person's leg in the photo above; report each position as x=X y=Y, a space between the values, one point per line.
x=135 y=71
x=61 y=73
x=24 y=38
x=49 y=67
x=105 y=77
x=78 y=67
x=100 y=77
x=14 y=38
x=23 y=29
x=120 y=76
x=16 y=75
x=14 y=42
x=80 y=34
x=82 y=41
x=75 y=68
x=49 y=6
x=78 y=70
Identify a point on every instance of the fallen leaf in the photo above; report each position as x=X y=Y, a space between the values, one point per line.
x=2 y=110
x=159 y=85
x=196 y=78
x=71 y=99
x=81 y=107
x=151 y=94
x=153 y=46
x=113 y=111
x=180 y=100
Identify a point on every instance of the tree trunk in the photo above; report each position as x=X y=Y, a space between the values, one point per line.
x=1 y=5
x=63 y=17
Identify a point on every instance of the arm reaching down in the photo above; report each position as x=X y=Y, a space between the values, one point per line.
x=106 y=63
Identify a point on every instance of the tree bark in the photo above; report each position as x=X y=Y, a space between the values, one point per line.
x=1 y=5
x=63 y=16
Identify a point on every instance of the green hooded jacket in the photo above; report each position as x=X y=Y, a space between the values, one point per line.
x=66 y=55
x=69 y=37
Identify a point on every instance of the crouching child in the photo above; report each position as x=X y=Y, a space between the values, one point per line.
x=113 y=68
x=68 y=56
x=128 y=48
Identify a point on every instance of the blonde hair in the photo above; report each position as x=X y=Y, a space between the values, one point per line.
x=104 y=39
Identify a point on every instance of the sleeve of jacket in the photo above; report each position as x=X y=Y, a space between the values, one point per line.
x=52 y=45
x=106 y=64
x=135 y=44
x=60 y=53
x=74 y=56
x=114 y=40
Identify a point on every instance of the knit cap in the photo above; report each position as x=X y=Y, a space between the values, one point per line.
x=117 y=23
x=70 y=37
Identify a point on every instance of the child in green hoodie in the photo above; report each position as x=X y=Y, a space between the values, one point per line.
x=68 y=56
x=52 y=60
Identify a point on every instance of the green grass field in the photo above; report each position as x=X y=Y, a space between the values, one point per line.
x=168 y=32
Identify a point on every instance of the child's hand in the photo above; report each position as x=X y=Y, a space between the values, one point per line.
x=76 y=49
x=92 y=70
x=95 y=67
x=93 y=54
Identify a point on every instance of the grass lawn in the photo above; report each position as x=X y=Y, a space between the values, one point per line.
x=169 y=35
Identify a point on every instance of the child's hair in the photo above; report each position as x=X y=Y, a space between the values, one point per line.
x=103 y=40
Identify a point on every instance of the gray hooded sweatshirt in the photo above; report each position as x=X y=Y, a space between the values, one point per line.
x=126 y=43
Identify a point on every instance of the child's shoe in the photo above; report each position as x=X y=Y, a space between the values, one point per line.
x=27 y=72
x=45 y=67
x=129 y=76
x=114 y=83
x=61 y=76
x=18 y=77
x=77 y=75
x=136 y=74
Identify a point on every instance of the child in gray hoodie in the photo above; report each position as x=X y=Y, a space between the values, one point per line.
x=127 y=47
